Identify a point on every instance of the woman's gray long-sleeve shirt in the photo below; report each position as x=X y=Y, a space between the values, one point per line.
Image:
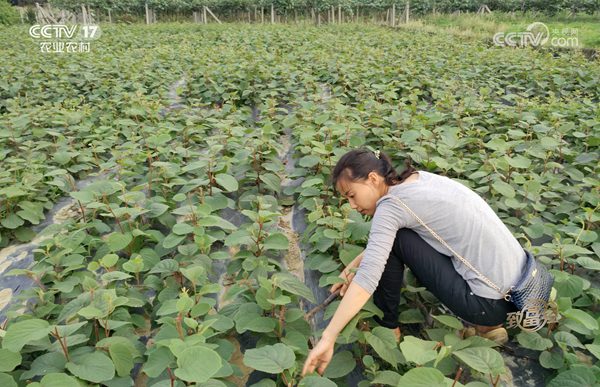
x=460 y=217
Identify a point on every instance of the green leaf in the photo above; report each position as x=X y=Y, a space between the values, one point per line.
x=449 y=321
x=115 y=276
x=7 y=380
x=551 y=360
x=423 y=377
x=341 y=365
x=12 y=222
x=9 y=360
x=272 y=359
x=504 y=189
x=172 y=240
x=59 y=380
x=122 y=358
x=12 y=192
x=309 y=161
x=23 y=332
x=94 y=367
x=109 y=260
x=482 y=359
x=384 y=349
x=157 y=209
x=580 y=377
x=212 y=220
x=182 y=229
x=316 y=381
x=165 y=266
x=594 y=349
x=533 y=340
x=197 y=364
x=582 y=317
x=588 y=263
x=276 y=241
x=158 y=360
x=272 y=181
x=228 y=182
x=118 y=241
x=47 y=363
x=290 y=283
x=387 y=377
x=418 y=351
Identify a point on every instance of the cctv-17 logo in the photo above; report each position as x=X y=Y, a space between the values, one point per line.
x=62 y=31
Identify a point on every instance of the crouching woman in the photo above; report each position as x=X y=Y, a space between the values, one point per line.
x=465 y=225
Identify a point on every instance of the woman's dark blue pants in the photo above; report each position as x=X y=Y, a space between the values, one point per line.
x=435 y=272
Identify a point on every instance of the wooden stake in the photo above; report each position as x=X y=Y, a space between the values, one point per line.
x=213 y=15
x=272 y=13
x=109 y=16
x=147 y=13
x=394 y=15
x=339 y=14
x=204 y=18
x=407 y=12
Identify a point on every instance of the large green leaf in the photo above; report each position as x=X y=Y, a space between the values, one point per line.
x=52 y=362
x=122 y=358
x=272 y=359
x=9 y=360
x=383 y=348
x=533 y=340
x=228 y=182
x=290 y=283
x=316 y=381
x=197 y=364
x=418 y=351
x=341 y=365
x=23 y=332
x=276 y=241
x=118 y=241
x=423 y=377
x=94 y=367
x=59 y=380
x=158 y=360
x=482 y=359
x=582 y=317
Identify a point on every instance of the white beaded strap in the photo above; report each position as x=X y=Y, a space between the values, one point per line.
x=485 y=279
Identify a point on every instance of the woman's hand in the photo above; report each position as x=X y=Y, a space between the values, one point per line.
x=319 y=357
x=347 y=275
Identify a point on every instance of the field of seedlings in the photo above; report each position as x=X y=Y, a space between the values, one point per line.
x=167 y=218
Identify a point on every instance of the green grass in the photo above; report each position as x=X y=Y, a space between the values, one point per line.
x=482 y=26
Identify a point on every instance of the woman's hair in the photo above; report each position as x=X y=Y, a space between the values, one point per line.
x=358 y=163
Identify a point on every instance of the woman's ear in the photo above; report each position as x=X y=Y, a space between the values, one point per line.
x=373 y=178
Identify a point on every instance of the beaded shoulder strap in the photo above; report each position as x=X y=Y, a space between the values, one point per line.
x=467 y=263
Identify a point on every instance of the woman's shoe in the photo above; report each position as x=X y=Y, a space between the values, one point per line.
x=498 y=335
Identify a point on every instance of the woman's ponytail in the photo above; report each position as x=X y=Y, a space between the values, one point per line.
x=358 y=163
